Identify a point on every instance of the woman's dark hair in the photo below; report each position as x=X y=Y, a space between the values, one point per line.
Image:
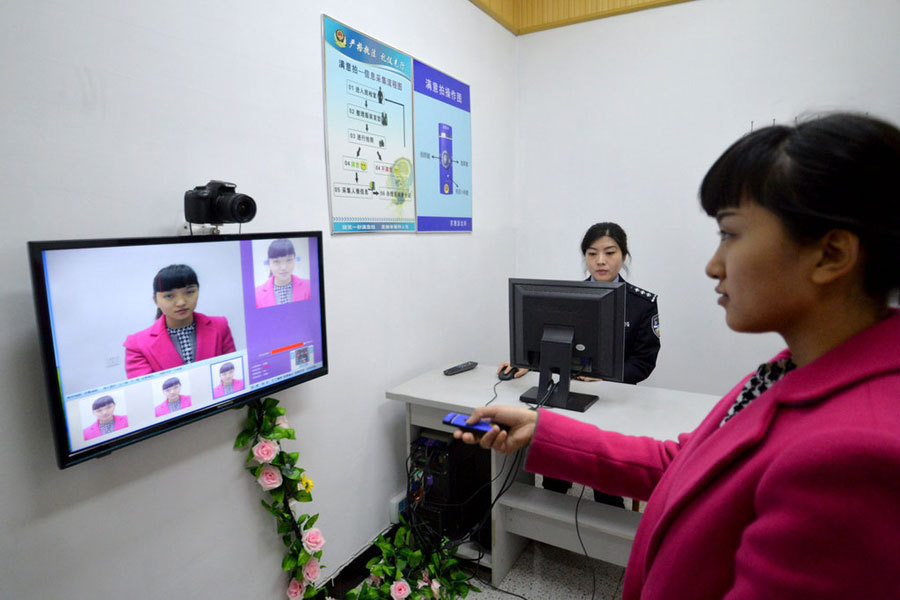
x=834 y=172
x=599 y=230
x=102 y=401
x=281 y=247
x=170 y=382
x=226 y=367
x=173 y=277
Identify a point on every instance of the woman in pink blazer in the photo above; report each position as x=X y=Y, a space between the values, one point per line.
x=282 y=286
x=104 y=408
x=789 y=488
x=174 y=401
x=227 y=383
x=179 y=335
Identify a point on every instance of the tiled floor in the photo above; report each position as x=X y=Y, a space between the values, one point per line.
x=547 y=573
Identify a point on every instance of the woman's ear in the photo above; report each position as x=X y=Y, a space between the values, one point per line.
x=840 y=254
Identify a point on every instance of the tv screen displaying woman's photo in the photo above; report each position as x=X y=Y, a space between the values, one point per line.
x=146 y=332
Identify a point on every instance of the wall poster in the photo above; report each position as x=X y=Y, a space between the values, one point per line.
x=398 y=138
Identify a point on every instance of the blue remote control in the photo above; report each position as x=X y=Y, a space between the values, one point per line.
x=459 y=420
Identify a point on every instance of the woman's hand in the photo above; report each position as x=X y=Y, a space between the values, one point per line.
x=505 y=367
x=520 y=420
x=586 y=378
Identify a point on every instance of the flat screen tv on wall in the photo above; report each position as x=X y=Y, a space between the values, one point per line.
x=140 y=336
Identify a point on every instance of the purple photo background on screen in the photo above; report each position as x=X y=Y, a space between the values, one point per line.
x=281 y=325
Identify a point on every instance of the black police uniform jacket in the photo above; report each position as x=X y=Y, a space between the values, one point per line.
x=641 y=333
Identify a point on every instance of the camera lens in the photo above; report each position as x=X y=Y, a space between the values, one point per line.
x=243 y=208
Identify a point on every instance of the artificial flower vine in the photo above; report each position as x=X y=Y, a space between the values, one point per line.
x=277 y=473
x=437 y=574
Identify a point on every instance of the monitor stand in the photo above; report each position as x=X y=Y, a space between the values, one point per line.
x=573 y=401
x=556 y=355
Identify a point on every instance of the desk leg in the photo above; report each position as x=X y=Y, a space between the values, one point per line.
x=505 y=547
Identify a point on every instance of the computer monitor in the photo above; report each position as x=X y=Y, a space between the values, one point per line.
x=568 y=328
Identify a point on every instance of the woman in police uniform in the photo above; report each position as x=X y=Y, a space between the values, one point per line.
x=605 y=248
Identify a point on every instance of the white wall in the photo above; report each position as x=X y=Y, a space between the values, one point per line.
x=110 y=111
x=620 y=118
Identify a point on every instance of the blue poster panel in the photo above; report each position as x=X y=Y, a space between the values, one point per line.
x=443 y=162
x=368 y=132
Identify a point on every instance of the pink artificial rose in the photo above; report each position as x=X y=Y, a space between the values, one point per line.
x=313 y=540
x=311 y=570
x=435 y=587
x=296 y=589
x=269 y=477
x=400 y=590
x=282 y=422
x=265 y=450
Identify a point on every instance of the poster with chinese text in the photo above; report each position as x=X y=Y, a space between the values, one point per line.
x=443 y=162
x=368 y=132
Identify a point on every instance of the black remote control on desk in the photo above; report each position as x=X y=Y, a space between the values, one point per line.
x=460 y=368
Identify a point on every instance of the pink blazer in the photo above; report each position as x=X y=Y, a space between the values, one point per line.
x=219 y=390
x=163 y=409
x=152 y=349
x=796 y=497
x=121 y=422
x=265 y=293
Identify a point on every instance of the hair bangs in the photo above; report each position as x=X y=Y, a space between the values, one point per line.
x=745 y=170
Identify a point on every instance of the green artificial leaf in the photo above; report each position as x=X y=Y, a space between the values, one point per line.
x=290 y=473
x=304 y=557
x=278 y=460
x=287 y=540
x=318 y=556
x=352 y=595
x=269 y=403
x=284 y=526
x=311 y=591
x=278 y=494
x=280 y=433
x=249 y=455
x=271 y=508
x=401 y=566
x=289 y=562
x=242 y=439
x=372 y=562
x=415 y=559
x=254 y=470
x=302 y=518
x=303 y=496
x=312 y=521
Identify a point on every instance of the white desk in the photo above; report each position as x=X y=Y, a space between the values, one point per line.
x=526 y=512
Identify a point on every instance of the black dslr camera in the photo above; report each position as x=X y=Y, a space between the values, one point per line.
x=217 y=203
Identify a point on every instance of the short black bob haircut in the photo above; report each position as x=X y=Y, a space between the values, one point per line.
x=833 y=172
x=281 y=247
x=226 y=367
x=174 y=277
x=171 y=382
x=102 y=401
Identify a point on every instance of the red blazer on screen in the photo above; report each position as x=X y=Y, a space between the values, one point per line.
x=796 y=497
x=265 y=293
x=93 y=431
x=163 y=409
x=152 y=349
